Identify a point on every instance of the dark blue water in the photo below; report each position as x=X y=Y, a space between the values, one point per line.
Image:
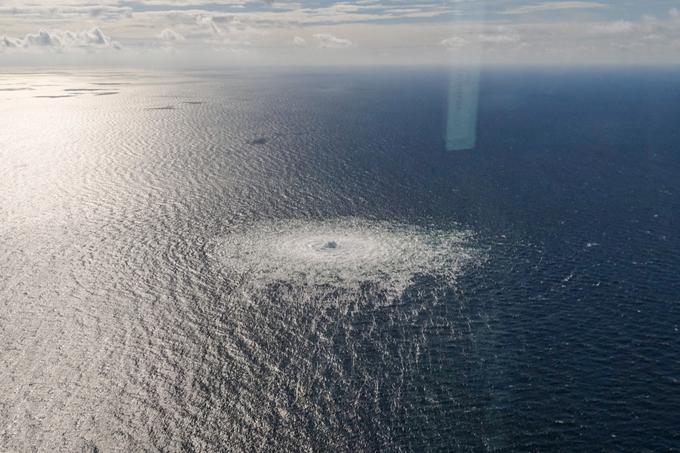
x=126 y=328
x=575 y=182
x=582 y=166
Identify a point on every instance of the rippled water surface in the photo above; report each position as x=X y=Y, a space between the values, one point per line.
x=255 y=261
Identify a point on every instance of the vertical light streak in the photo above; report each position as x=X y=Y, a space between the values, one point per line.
x=463 y=94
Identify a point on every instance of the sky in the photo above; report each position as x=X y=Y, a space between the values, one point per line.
x=198 y=33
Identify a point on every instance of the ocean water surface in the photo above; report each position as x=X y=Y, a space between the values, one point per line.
x=270 y=260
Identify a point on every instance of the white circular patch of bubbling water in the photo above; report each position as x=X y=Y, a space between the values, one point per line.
x=344 y=253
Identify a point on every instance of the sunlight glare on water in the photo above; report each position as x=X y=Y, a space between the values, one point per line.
x=223 y=262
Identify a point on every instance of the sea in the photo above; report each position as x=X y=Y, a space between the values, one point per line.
x=270 y=259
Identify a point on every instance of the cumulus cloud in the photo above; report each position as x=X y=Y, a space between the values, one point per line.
x=224 y=29
x=209 y=23
x=8 y=42
x=328 y=41
x=170 y=35
x=93 y=38
x=398 y=30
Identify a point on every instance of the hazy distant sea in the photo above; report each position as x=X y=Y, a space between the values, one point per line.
x=289 y=261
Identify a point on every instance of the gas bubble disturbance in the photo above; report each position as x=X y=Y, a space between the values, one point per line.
x=344 y=253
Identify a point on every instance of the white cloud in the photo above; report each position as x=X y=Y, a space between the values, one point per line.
x=498 y=38
x=189 y=3
x=553 y=6
x=454 y=42
x=475 y=35
x=170 y=35
x=61 y=40
x=328 y=41
x=7 y=42
x=209 y=23
x=613 y=28
x=386 y=31
x=66 y=12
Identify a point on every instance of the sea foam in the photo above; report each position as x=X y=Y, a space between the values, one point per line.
x=344 y=253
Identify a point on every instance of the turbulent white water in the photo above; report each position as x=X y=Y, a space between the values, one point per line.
x=344 y=253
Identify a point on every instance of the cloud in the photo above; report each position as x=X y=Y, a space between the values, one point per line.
x=8 y=42
x=169 y=35
x=498 y=38
x=553 y=6
x=93 y=38
x=200 y=32
x=209 y=23
x=647 y=28
x=481 y=34
x=454 y=42
x=66 y=12
x=613 y=28
x=396 y=30
x=328 y=41
x=187 y=3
